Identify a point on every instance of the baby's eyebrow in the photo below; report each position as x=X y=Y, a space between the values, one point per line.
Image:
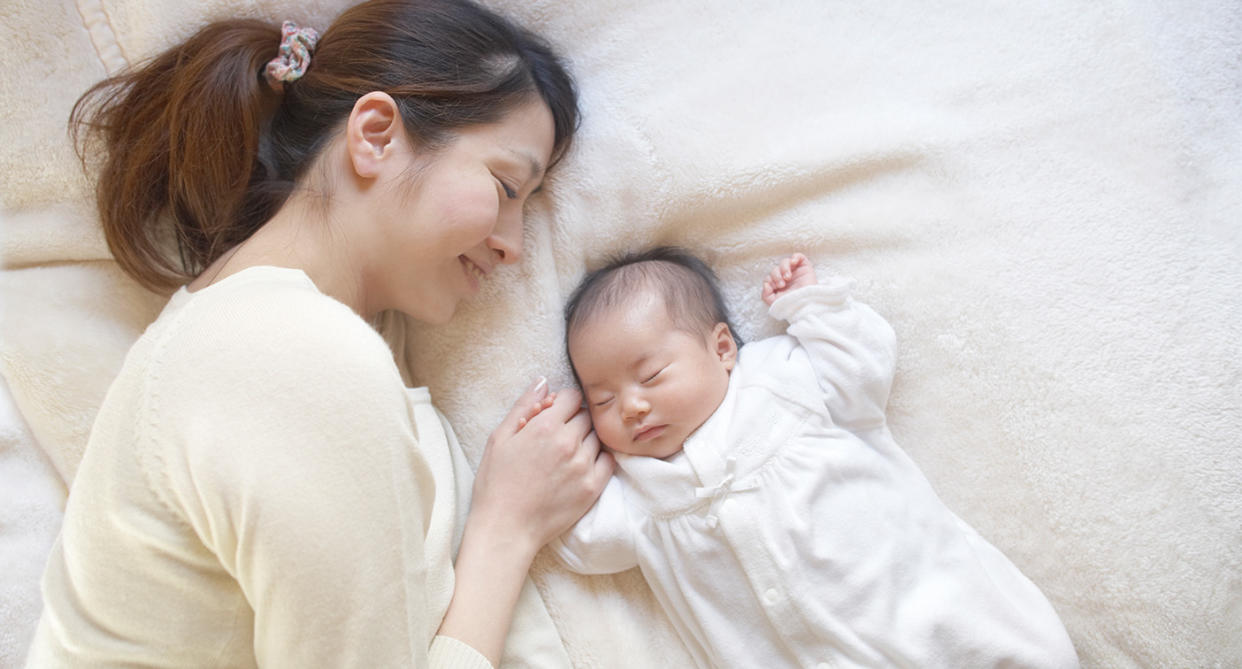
x=640 y=360
x=585 y=386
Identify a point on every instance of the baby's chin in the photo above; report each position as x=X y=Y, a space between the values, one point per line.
x=657 y=451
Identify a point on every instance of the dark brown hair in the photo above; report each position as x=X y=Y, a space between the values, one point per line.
x=689 y=288
x=199 y=152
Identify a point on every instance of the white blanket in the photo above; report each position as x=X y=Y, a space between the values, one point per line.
x=1044 y=199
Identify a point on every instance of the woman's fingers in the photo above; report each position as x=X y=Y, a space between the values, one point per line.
x=526 y=407
x=535 y=409
x=596 y=467
x=564 y=406
x=541 y=478
x=579 y=425
x=605 y=464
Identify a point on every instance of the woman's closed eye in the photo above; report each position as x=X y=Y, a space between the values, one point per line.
x=510 y=191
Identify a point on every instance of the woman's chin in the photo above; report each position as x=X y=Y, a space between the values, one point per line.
x=439 y=314
x=440 y=317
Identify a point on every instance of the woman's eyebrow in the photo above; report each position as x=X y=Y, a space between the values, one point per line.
x=536 y=167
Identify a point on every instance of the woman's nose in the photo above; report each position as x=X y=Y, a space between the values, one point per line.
x=506 y=240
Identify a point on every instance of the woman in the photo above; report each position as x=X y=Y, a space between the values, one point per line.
x=259 y=487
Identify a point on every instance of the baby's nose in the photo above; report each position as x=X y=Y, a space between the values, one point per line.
x=636 y=406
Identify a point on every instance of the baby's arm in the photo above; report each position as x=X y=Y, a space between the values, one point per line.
x=602 y=541
x=851 y=348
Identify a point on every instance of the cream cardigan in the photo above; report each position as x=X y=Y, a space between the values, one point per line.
x=260 y=489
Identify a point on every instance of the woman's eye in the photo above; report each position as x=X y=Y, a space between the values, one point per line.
x=509 y=191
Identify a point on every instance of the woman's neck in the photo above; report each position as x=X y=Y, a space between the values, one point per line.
x=301 y=236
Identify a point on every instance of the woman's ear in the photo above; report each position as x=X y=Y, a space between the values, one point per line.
x=724 y=346
x=371 y=133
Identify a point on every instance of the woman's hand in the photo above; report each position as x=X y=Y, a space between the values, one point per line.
x=542 y=469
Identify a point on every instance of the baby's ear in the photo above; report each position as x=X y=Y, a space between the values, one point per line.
x=724 y=346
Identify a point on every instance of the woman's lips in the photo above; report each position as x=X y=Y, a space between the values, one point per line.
x=649 y=433
x=473 y=272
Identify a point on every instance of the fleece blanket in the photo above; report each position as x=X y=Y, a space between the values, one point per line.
x=1044 y=199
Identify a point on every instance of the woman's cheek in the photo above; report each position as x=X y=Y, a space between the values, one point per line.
x=481 y=211
x=470 y=212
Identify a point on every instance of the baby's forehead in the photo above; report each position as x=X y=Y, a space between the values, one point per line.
x=643 y=305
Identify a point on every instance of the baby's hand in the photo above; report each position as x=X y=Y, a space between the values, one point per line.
x=792 y=272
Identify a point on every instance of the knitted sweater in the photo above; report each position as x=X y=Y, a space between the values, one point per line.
x=261 y=489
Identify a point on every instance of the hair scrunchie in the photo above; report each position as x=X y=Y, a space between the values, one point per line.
x=296 y=45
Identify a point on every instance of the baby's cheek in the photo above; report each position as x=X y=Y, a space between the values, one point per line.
x=607 y=431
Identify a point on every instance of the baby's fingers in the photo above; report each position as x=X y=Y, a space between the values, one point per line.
x=777 y=278
x=791 y=264
x=797 y=260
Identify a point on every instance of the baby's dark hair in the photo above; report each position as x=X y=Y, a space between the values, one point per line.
x=688 y=286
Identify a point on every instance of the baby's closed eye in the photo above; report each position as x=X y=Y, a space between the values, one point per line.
x=601 y=401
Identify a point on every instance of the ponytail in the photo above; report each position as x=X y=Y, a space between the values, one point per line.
x=199 y=151
x=181 y=135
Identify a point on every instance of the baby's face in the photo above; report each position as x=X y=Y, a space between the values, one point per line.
x=648 y=384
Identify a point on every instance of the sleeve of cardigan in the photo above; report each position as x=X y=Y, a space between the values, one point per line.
x=449 y=653
x=851 y=348
x=304 y=476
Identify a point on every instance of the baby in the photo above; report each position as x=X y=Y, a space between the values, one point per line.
x=759 y=489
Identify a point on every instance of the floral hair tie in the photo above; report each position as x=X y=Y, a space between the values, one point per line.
x=296 y=45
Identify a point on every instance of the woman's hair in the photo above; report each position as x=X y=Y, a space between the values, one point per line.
x=197 y=136
x=689 y=288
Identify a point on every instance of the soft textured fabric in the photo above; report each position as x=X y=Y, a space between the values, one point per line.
x=1042 y=198
x=260 y=489
x=792 y=530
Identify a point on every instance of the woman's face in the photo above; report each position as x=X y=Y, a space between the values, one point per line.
x=460 y=217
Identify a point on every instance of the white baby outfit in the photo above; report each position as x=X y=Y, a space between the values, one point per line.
x=791 y=531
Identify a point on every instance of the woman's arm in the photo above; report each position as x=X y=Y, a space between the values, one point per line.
x=307 y=482
x=538 y=475
x=309 y=485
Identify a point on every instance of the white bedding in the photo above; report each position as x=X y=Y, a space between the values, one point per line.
x=1044 y=199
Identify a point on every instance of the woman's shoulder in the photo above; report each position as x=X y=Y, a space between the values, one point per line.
x=266 y=326
x=270 y=361
x=259 y=296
